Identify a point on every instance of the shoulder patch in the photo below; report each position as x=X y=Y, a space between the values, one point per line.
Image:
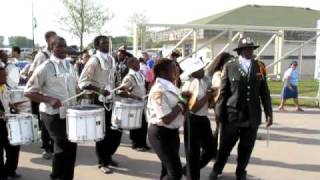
x=262 y=68
x=157 y=96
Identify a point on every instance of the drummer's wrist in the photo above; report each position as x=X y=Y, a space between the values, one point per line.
x=181 y=106
x=183 y=100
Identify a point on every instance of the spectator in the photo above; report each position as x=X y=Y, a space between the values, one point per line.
x=290 y=87
x=148 y=60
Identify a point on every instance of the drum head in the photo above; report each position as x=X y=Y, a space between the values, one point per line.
x=85 y=107
x=194 y=89
x=13 y=75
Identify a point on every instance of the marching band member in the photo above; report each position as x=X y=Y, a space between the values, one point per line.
x=215 y=72
x=7 y=168
x=165 y=115
x=243 y=88
x=98 y=76
x=135 y=81
x=40 y=57
x=199 y=141
x=50 y=84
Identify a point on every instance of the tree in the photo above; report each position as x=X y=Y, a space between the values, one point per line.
x=20 y=41
x=84 y=17
x=136 y=18
x=1 y=41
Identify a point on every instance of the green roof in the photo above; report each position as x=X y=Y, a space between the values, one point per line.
x=256 y=15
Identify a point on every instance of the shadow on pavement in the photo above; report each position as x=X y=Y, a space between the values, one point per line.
x=294 y=130
x=29 y=174
x=294 y=139
x=271 y=163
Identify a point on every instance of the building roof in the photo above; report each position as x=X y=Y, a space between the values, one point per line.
x=258 y=15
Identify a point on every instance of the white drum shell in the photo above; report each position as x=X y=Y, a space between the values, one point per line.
x=126 y=115
x=85 y=123
x=17 y=95
x=22 y=129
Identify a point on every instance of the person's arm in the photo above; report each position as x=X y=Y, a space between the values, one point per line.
x=87 y=77
x=201 y=102
x=129 y=84
x=36 y=82
x=163 y=110
x=266 y=101
x=220 y=109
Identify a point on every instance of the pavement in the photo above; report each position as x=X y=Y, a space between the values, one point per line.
x=293 y=154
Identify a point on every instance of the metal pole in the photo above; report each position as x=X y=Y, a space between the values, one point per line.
x=223 y=49
x=205 y=44
x=33 y=24
x=195 y=42
x=300 y=61
x=229 y=40
x=135 y=40
x=266 y=45
x=294 y=50
x=179 y=43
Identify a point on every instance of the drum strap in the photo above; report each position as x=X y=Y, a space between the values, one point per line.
x=46 y=55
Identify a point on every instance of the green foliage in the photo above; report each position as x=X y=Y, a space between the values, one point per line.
x=1 y=41
x=20 y=41
x=306 y=88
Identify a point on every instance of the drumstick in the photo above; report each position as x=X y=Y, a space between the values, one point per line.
x=72 y=97
x=268 y=137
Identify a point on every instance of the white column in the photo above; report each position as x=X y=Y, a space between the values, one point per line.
x=317 y=62
x=195 y=42
x=135 y=40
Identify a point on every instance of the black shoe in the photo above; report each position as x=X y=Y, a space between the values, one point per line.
x=147 y=148
x=184 y=170
x=47 y=155
x=214 y=175
x=14 y=176
x=242 y=176
x=53 y=177
x=105 y=170
x=113 y=163
x=134 y=146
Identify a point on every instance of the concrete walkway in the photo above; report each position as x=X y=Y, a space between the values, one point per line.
x=293 y=154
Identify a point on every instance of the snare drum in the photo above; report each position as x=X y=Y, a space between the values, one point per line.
x=85 y=123
x=17 y=95
x=127 y=115
x=22 y=129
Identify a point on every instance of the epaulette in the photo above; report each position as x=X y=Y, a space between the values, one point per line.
x=262 y=67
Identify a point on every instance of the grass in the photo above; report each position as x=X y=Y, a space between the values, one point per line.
x=306 y=88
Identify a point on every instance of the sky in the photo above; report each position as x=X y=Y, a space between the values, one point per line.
x=16 y=15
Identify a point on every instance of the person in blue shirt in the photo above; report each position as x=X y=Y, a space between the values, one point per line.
x=290 y=88
x=148 y=60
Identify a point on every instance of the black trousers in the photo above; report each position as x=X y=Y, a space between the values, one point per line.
x=200 y=144
x=64 y=156
x=7 y=167
x=229 y=135
x=47 y=142
x=166 y=144
x=139 y=136
x=109 y=145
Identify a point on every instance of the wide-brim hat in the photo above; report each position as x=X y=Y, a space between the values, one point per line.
x=245 y=42
x=190 y=66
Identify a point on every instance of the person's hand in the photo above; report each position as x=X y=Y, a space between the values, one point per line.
x=55 y=103
x=186 y=94
x=290 y=88
x=269 y=121
x=210 y=92
x=105 y=92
